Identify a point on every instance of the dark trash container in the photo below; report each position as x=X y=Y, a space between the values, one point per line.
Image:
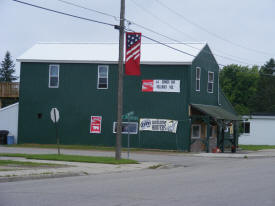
x=3 y=136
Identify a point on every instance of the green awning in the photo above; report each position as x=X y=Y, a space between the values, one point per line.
x=216 y=112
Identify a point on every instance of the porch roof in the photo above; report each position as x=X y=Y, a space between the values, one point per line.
x=216 y=112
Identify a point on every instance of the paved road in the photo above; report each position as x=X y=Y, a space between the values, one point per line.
x=192 y=181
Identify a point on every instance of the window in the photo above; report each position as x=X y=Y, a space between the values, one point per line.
x=132 y=127
x=198 y=79
x=53 y=76
x=245 y=127
x=212 y=132
x=102 y=80
x=210 y=85
x=196 y=131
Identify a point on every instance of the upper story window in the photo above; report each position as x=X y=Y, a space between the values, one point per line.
x=198 y=79
x=102 y=77
x=210 y=84
x=54 y=76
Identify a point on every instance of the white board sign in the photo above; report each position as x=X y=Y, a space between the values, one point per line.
x=54 y=115
x=166 y=125
x=158 y=85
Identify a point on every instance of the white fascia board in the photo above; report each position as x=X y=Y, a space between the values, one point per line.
x=98 y=62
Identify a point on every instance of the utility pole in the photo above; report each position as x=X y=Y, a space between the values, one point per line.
x=120 y=81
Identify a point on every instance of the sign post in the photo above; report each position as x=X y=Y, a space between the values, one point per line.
x=128 y=138
x=129 y=116
x=55 y=118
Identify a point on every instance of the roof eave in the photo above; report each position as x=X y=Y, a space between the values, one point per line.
x=99 y=62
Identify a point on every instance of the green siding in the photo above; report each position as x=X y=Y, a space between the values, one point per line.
x=206 y=61
x=78 y=98
x=159 y=105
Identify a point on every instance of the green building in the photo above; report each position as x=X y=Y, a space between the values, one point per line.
x=177 y=97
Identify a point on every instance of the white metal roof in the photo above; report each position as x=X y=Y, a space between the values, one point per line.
x=108 y=53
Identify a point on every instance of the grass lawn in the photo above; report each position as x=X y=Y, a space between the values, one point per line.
x=72 y=158
x=256 y=147
x=84 y=147
x=54 y=146
x=19 y=163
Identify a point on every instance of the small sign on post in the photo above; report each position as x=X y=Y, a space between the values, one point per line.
x=129 y=116
x=55 y=118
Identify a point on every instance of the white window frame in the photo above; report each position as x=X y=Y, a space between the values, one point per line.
x=136 y=123
x=58 y=67
x=98 y=77
x=193 y=125
x=211 y=82
x=198 y=79
x=246 y=122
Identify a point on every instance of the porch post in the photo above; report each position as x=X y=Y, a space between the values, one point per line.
x=189 y=126
x=234 y=137
x=207 y=134
x=222 y=140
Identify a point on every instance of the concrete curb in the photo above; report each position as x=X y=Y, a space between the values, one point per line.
x=68 y=169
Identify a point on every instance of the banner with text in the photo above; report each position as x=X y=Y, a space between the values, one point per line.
x=158 y=85
x=165 y=125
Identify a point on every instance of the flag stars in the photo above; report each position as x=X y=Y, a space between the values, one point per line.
x=132 y=39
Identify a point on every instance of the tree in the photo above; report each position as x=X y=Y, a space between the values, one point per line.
x=239 y=83
x=264 y=99
x=7 y=69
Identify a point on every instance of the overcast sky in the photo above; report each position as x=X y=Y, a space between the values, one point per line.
x=240 y=23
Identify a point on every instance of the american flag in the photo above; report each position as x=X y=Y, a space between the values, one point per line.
x=132 y=62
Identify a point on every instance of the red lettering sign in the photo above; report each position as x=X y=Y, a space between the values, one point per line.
x=95 y=124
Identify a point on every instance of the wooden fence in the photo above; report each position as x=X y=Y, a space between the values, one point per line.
x=9 y=89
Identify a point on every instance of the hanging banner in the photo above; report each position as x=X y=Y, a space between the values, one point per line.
x=158 y=85
x=165 y=125
x=95 y=124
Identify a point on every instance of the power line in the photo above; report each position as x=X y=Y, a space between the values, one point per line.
x=150 y=30
x=166 y=45
x=89 y=9
x=105 y=23
x=209 y=32
x=218 y=55
x=83 y=18
x=66 y=14
x=130 y=22
x=162 y=21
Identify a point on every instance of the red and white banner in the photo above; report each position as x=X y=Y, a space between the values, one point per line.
x=158 y=85
x=95 y=124
x=132 y=57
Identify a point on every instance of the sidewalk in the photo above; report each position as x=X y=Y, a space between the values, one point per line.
x=66 y=168
x=70 y=169
x=241 y=154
